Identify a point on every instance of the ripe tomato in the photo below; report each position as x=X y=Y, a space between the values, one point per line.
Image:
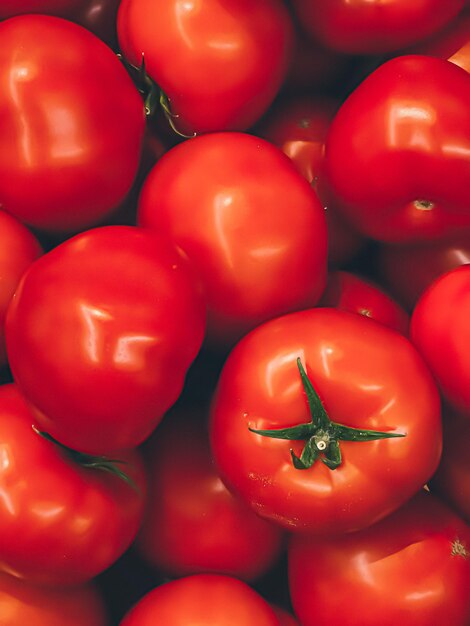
x=250 y=224
x=18 y=249
x=408 y=270
x=368 y=377
x=193 y=524
x=209 y=599
x=60 y=523
x=64 y=8
x=451 y=482
x=412 y=568
x=112 y=319
x=220 y=64
x=398 y=151
x=24 y=604
x=100 y=17
x=349 y=292
x=441 y=332
x=374 y=26
x=71 y=125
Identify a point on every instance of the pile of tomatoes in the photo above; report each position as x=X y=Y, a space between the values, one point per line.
x=235 y=312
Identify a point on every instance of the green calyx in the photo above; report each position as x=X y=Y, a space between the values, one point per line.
x=321 y=435
x=90 y=461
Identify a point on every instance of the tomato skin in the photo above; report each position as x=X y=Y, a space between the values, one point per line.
x=22 y=603
x=249 y=224
x=118 y=309
x=372 y=26
x=349 y=292
x=18 y=249
x=397 y=154
x=60 y=524
x=367 y=376
x=440 y=330
x=209 y=599
x=285 y=618
x=63 y=8
x=220 y=65
x=193 y=524
x=399 y=571
x=100 y=17
x=409 y=269
x=80 y=155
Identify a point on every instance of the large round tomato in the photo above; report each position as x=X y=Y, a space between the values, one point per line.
x=209 y=599
x=193 y=524
x=249 y=222
x=398 y=151
x=60 y=522
x=219 y=63
x=441 y=331
x=412 y=568
x=325 y=421
x=71 y=124
x=22 y=604
x=111 y=319
x=374 y=26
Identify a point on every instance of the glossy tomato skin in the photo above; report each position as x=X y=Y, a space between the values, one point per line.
x=441 y=332
x=397 y=154
x=18 y=249
x=367 y=376
x=220 y=64
x=192 y=523
x=247 y=220
x=112 y=319
x=411 y=568
x=372 y=26
x=23 y=603
x=60 y=523
x=62 y=8
x=349 y=292
x=81 y=152
x=100 y=17
x=209 y=599
x=409 y=269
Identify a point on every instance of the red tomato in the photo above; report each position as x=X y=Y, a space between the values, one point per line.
x=299 y=127
x=412 y=568
x=60 y=523
x=368 y=377
x=193 y=524
x=252 y=226
x=64 y=8
x=209 y=599
x=451 y=482
x=18 y=249
x=398 y=151
x=349 y=292
x=23 y=604
x=409 y=270
x=111 y=319
x=220 y=63
x=71 y=125
x=374 y=26
x=440 y=330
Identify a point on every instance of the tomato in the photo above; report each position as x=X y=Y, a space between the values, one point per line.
x=374 y=26
x=398 y=151
x=193 y=524
x=22 y=603
x=321 y=477
x=71 y=125
x=408 y=270
x=412 y=568
x=349 y=292
x=440 y=330
x=209 y=599
x=18 y=249
x=64 y=8
x=112 y=319
x=100 y=17
x=220 y=64
x=285 y=618
x=451 y=482
x=250 y=223
x=60 y=523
